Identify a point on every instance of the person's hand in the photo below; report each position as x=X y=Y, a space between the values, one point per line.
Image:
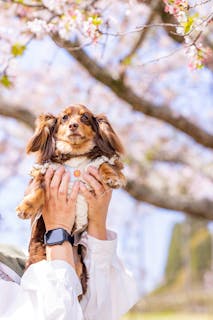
x=59 y=210
x=98 y=203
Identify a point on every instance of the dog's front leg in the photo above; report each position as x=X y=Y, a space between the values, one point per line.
x=33 y=201
x=112 y=176
x=37 y=251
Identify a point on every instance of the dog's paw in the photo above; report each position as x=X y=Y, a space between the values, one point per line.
x=25 y=210
x=115 y=181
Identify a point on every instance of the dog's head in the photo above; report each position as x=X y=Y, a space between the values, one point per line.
x=75 y=131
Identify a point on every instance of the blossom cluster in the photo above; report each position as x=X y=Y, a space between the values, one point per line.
x=175 y=7
x=48 y=17
x=64 y=17
x=198 y=55
x=66 y=24
x=190 y=26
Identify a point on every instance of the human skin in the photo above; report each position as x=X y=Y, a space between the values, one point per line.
x=59 y=212
x=98 y=203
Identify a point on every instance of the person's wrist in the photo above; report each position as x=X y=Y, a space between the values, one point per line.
x=58 y=226
x=97 y=230
x=63 y=251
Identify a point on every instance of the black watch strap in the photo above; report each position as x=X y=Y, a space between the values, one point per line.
x=57 y=236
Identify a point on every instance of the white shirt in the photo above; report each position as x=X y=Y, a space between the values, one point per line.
x=49 y=290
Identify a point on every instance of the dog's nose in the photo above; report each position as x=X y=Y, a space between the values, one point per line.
x=73 y=126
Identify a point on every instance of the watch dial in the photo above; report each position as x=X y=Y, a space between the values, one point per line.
x=55 y=236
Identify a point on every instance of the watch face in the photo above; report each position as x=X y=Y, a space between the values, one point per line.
x=55 y=236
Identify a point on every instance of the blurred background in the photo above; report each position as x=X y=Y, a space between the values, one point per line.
x=148 y=66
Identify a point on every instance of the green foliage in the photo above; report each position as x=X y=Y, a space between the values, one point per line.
x=17 y=49
x=200 y=250
x=189 y=257
x=127 y=61
x=150 y=154
x=175 y=259
x=96 y=20
x=189 y=252
x=166 y=316
x=189 y=23
x=5 y=81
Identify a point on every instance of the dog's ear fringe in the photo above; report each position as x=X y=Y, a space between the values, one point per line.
x=107 y=140
x=42 y=140
x=37 y=141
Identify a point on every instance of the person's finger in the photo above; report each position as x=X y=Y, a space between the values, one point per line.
x=63 y=188
x=95 y=184
x=74 y=193
x=47 y=181
x=94 y=171
x=85 y=192
x=55 y=182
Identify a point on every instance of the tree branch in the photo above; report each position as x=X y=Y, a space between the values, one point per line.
x=138 y=103
x=197 y=208
x=204 y=169
x=168 y=18
x=144 y=32
x=18 y=113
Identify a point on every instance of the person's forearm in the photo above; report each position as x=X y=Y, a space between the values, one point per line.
x=61 y=252
x=97 y=231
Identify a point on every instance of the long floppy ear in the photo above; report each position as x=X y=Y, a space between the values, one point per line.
x=43 y=138
x=107 y=140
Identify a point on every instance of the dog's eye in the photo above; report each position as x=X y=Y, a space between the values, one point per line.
x=84 y=117
x=65 y=117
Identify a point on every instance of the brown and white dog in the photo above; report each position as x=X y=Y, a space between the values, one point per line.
x=75 y=138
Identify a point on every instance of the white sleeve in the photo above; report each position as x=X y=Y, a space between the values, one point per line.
x=112 y=291
x=48 y=291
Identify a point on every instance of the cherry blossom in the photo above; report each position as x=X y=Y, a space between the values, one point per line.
x=191 y=26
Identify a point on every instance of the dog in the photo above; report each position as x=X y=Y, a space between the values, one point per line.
x=76 y=138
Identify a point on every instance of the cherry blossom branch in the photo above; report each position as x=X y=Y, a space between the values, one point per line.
x=138 y=103
x=197 y=208
x=17 y=112
x=182 y=158
x=199 y=3
x=142 y=35
x=28 y=4
x=155 y=60
x=138 y=29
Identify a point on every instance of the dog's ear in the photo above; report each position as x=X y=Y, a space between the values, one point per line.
x=43 y=138
x=106 y=138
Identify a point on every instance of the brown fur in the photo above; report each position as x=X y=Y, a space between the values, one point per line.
x=75 y=132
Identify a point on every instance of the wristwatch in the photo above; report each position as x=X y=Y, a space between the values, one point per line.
x=57 y=236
